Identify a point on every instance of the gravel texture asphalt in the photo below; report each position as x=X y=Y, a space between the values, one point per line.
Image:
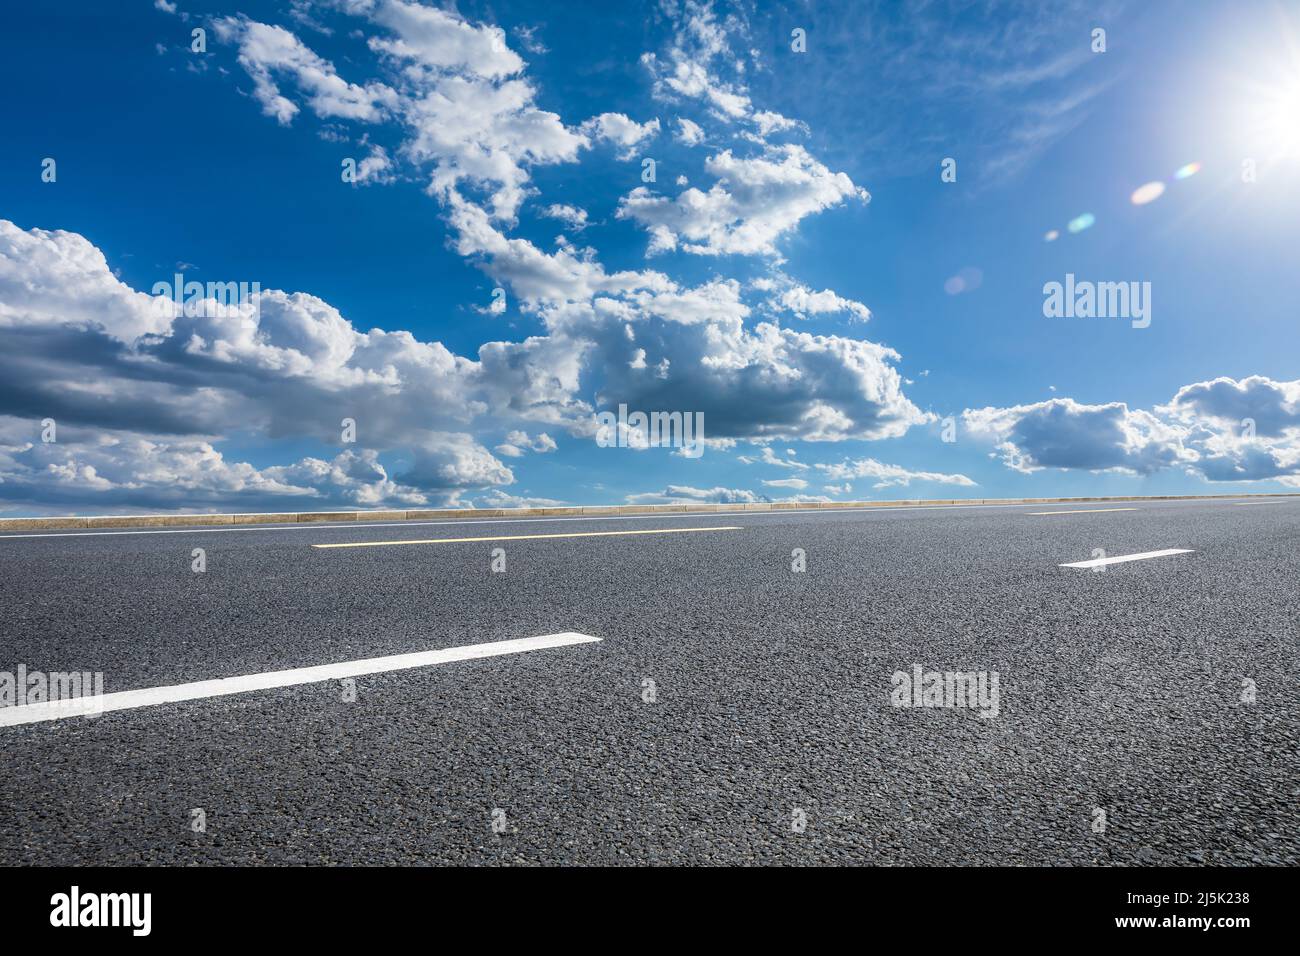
x=771 y=736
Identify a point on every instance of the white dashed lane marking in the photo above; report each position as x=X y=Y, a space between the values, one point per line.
x=1121 y=558
x=520 y=537
x=198 y=690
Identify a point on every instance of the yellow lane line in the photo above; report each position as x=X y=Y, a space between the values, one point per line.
x=522 y=537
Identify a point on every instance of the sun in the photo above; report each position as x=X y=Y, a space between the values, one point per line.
x=1275 y=118
x=1259 y=111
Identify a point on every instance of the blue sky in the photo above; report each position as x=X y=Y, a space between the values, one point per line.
x=798 y=271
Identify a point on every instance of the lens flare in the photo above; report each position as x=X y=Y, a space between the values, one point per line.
x=1191 y=169
x=966 y=280
x=1148 y=192
x=1080 y=223
x=1052 y=235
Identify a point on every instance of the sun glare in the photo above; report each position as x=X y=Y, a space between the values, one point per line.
x=1280 y=118
x=1272 y=113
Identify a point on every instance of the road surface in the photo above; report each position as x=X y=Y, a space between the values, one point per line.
x=732 y=711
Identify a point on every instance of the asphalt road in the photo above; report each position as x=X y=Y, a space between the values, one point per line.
x=770 y=737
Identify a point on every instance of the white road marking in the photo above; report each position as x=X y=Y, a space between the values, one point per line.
x=1265 y=501
x=1120 y=559
x=1082 y=511
x=518 y=537
x=198 y=690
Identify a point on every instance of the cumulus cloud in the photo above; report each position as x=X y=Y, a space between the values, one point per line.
x=681 y=77
x=886 y=476
x=266 y=51
x=120 y=469
x=375 y=168
x=1221 y=430
x=1273 y=408
x=700 y=66
x=502 y=499
x=571 y=216
x=129 y=383
x=107 y=360
x=759 y=382
x=803 y=302
x=769 y=122
x=623 y=132
x=755 y=201
x=685 y=494
x=56 y=278
x=85 y=349
x=1062 y=433
x=437 y=40
x=689 y=132
x=769 y=457
x=455 y=87
x=517 y=444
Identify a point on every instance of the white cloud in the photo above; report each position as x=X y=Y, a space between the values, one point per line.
x=432 y=39
x=769 y=122
x=689 y=133
x=375 y=168
x=804 y=302
x=769 y=457
x=571 y=216
x=688 y=68
x=692 y=68
x=1062 y=433
x=685 y=494
x=455 y=87
x=517 y=443
x=1273 y=407
x=118 y=469
x=768 y=382
x=52 y=278
x=753 y=204
x=797 y=483
x=623 y=132
x=501 y=499
x=265 y=51
x=886 y=476
x=1223 y=430
x=297 y=366
x=98 y=355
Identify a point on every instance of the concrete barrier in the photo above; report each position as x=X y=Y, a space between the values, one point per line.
x=91 y=522
x=381 y=515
